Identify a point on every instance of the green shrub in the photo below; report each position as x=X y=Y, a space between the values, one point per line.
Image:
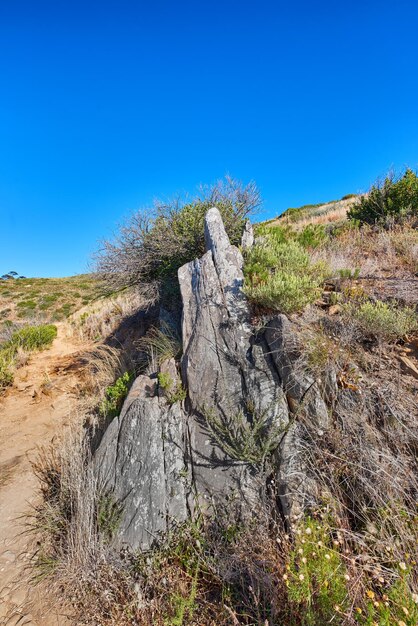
x=312 y=236
x=392 y=199
x=115 y=395
x=155 y=243
x=34 y=337
x=280 y=276
x=316 y=583
x=248 y=439
x=384 y=321
x=348 y=273
x=29 y=338
x=109 y=516
x=398 y=606
x=173 y=390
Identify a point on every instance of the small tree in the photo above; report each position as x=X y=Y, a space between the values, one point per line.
x=154 y=243
x=393 y=199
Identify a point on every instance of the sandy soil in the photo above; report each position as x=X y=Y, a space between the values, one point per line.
x=38 y=406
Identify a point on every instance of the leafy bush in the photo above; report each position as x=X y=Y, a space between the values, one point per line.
x=115 y=396
x=385 y=321
x=312 y=236
x=109 y=516
x=391 y=199
x=153 y=244
x=280 y=276
x=397 y=606
x=34 y=337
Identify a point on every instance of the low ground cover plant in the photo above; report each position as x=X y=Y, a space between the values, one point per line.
x=115 y=395
x=26 y=339
x=385 y=321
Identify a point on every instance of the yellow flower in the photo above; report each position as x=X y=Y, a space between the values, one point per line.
x=358 y=609
x=327 y=556
x=370 y=594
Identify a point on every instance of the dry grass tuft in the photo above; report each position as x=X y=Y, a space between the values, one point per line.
x=100 y=319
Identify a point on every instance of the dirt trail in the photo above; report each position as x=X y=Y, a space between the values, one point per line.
x=38 y=407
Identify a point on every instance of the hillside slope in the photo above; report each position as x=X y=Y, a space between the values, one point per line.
x=46 y=299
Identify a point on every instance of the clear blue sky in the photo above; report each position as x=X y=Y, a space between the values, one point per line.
x=105 y=106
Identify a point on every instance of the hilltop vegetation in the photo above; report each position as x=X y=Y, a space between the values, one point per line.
x=46 y=299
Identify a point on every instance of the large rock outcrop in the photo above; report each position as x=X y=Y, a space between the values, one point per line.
x=141 y=464
x=157 y=461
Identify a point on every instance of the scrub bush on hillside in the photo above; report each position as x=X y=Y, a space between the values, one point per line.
x=153 y=244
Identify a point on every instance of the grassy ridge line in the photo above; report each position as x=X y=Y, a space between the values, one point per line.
x=322 y=213
x=46 y=299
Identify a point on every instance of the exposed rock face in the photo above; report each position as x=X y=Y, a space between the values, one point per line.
x=223 y=364
x=155 y=455
x=141 y=463
x=226 y=370
x=247 y=236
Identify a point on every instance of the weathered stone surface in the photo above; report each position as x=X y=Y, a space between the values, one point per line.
x=297 y=488
x=225 y=368
x=141 y=464
x=247 y=240
x=224 y=364
x=299 y=385
x=155 y=455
